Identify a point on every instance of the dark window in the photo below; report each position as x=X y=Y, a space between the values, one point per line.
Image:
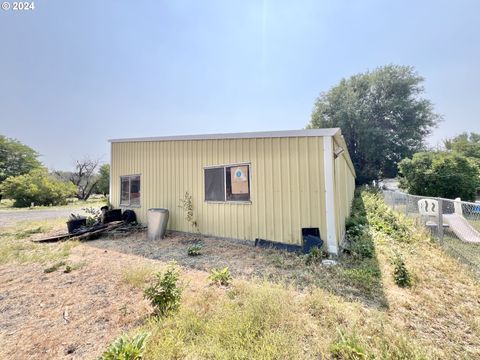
x=130 y=190
x=215 y=184
x=237 y=183
x=228 y=183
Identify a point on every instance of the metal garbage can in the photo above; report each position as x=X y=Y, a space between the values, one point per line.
x=157 y=223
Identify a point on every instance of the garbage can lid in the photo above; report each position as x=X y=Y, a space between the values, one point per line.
x=158 y=210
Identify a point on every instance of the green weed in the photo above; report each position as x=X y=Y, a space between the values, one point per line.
x=165 y=293
x=221 y=276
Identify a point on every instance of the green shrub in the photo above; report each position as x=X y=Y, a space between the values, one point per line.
x=362 y=247
x=400 y=272
x=165 y=293
x=440 y=174
x=37 y=187
x=126 y=348
x=222 y=277
x=194 y=250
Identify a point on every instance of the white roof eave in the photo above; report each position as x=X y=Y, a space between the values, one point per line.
x=245 y=135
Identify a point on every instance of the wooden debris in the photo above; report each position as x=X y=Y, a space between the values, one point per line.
x=65 y=316
x=84 y=234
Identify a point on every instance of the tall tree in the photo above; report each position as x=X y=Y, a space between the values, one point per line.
x=465 y=144
x=103 y=185
x=84 y=177
x=382 y=115
x=16 y=158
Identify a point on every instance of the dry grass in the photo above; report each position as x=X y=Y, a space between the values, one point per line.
x=16 y=245
x=137 y=276
x=293 y=313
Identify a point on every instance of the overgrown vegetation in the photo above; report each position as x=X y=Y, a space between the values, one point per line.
x=258 y=319
x=165 y=292
x=371 y=218
x=126 y=348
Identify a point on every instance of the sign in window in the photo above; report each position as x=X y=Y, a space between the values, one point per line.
x=227 y=183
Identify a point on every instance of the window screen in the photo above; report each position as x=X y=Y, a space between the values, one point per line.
x=130 y=190
x=135 y=190
x=125 y=194
x=237 y=183
x=215 y=184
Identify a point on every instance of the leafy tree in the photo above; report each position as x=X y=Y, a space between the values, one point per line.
x=465 y=144
x=382 y=117
x=103 y=184
x=440 y=174
x=16 y=158
x=39 y=187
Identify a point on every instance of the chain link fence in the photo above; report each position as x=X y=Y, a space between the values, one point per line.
x=454 y=223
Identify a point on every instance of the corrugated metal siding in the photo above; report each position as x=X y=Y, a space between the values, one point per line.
x=287 y=184
x=344 y=192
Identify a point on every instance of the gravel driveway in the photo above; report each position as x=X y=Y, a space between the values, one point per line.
x=9 y=217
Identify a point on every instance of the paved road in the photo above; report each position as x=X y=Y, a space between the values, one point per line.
x=10 y=217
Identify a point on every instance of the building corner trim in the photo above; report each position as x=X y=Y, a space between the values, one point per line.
x=332 y=243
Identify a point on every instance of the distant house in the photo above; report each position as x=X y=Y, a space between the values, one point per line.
x=260 y=185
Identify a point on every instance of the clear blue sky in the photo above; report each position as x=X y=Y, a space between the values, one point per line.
x=74 y=74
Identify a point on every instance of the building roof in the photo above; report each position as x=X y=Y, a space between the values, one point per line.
x=245 y=135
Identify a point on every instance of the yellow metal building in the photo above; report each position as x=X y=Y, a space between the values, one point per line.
x=262 y=185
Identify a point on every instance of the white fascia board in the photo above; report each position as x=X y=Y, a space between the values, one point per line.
x=247 y=135
x=329 y=173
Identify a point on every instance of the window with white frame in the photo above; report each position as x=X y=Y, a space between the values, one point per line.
x=130 y=190
x=229 y=183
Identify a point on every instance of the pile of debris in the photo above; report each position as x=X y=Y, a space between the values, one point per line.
x=101 y=222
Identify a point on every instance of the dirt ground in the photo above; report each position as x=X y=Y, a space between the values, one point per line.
x=62 y=315
x=244 y=261
x=93 y=304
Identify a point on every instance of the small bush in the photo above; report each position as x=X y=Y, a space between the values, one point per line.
x=165 y=293
x=362 y=247
x=400 y=272
x=314 y=256
x=194 y=250
x=126 y=348
x=37 y=187
x=222 y=277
